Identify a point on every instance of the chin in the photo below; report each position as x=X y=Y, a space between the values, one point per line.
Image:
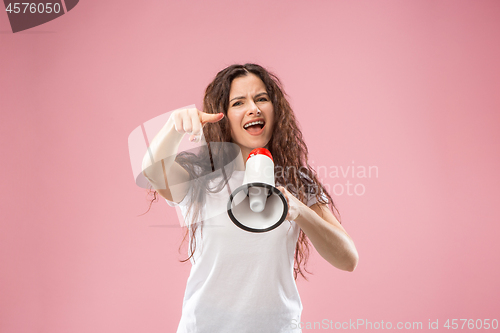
x=259 y=144
x=252 y=143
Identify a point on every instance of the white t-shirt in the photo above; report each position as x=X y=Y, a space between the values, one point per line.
x=240 y=281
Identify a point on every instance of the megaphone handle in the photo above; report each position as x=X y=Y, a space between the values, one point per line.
x=269 y=192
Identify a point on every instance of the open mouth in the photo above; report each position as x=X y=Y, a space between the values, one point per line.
x=255 y=127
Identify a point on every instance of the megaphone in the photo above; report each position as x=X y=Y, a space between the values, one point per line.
x=257 y=205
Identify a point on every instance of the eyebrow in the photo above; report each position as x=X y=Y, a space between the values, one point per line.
x=256 y=96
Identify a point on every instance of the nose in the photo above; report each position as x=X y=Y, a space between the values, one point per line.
x=253 y=109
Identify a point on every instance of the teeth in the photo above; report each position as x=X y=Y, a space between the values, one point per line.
x=254 y=123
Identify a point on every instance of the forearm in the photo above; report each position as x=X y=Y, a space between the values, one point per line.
x=160 y=156
x=329 y=239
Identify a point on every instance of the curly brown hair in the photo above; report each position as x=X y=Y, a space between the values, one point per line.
x=286 y=146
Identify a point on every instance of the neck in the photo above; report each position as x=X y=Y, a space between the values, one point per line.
x=244 y=156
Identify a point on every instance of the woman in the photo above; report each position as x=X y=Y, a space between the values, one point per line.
x=242 y=281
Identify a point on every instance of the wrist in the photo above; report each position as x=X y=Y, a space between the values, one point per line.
x=302 y=212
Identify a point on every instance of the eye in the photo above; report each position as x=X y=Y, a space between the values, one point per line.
x=262 y=99
x=237 y=103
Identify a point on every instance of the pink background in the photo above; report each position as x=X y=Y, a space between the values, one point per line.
x=411 y=87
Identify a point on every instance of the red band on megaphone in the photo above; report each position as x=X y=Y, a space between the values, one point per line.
x=260 y=151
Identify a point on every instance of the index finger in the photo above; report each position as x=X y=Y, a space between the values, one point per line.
x=210 y=117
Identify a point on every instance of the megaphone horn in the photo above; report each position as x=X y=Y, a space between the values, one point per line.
x=257 y=205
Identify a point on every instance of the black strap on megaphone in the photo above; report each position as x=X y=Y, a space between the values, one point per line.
x=272 y=190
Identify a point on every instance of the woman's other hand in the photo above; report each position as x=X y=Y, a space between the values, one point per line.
x=295 y=206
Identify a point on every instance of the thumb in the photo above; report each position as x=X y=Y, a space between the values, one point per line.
x=282 y=190
x=210 y=117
